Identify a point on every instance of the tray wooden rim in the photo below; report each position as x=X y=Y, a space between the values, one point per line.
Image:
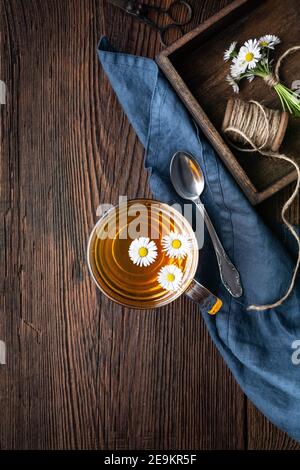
x=198 y=113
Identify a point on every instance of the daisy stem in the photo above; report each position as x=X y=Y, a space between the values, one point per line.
x=289 y=101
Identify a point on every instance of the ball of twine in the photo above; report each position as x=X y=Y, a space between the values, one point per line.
x=262 y=130
x=254 y=124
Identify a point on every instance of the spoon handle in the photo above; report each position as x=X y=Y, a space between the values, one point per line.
x=228 y=272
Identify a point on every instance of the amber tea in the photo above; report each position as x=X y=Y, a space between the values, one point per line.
x=143 y=254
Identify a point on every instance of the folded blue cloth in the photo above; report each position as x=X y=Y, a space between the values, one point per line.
x=259 y=347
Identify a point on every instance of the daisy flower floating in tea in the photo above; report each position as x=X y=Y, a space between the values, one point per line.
x=142 y=251
x=252 y=60
x=176 y=245
x=170 y=277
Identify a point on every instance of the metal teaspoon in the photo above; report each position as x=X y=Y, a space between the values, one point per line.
x=188 y=181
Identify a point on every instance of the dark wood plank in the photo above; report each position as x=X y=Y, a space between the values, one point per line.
x=264 y=435
x=82 y=372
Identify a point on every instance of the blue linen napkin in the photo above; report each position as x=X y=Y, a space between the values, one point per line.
x=259 y=347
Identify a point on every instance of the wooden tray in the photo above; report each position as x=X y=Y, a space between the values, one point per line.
x=194 y=65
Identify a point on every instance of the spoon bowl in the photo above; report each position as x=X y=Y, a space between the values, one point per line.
x=186 y=176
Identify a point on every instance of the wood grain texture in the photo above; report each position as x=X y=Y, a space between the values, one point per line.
x=83 y=373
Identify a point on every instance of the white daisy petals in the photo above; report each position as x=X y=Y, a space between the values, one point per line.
x=250 y=53
x=252 y=60
x=230 y=52
x=170 y=277
x=237 y=67
x=176 y=245
x=269 y=41
x=142 y=251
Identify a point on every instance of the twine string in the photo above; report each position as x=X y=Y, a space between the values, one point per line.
x=282 y=57
x=273 y=79
x=254 y=124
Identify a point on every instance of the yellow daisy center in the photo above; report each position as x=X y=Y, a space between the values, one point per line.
x=176 y=244
x=170 y=277
x=249 y=57
x=143 y=251
x=263 y=43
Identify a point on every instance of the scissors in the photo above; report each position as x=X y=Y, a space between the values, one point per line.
x=141 y=11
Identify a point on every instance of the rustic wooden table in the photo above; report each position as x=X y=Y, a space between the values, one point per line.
x=82 y=372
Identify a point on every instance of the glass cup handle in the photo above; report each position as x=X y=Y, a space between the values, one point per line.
x=203 y=296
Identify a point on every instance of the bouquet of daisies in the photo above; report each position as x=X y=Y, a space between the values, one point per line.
x=253 y=60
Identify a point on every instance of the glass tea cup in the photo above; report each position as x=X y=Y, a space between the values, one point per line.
x=136 y=260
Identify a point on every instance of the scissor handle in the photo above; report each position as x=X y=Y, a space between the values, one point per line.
x=163 y=33
x=187 y=10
